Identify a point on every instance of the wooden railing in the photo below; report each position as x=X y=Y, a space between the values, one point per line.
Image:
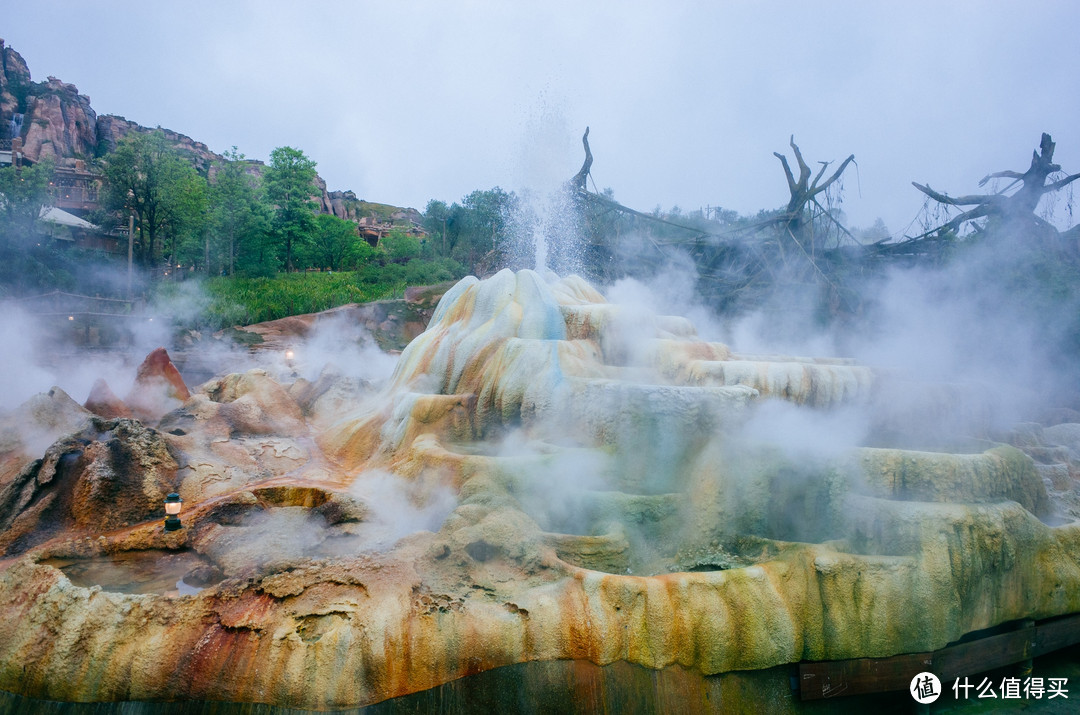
x=60 y=303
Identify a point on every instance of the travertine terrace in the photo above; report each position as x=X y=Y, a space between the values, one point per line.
x=546 y=476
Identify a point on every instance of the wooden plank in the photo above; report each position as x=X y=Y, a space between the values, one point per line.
x=1056 y=634
x=830 y=679
x=984 y=654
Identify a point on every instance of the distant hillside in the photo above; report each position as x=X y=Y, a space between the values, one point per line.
x=53 y=121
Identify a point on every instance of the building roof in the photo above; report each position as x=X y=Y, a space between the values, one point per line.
x=63 y=218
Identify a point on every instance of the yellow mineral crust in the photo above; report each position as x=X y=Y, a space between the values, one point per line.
x=364 y=630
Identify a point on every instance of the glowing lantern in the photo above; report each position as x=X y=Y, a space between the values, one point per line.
x=173 y=502
x=289 y=355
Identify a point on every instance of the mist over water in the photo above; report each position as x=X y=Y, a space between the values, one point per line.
x=44 y=352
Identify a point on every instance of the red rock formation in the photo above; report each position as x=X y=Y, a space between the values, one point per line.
x=158 y=387
x=158 y=365
x=104 y=403
x=112 y=128
x=13 y=74
x=59 y=124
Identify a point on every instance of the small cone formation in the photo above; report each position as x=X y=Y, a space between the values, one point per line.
x=103 y=402
x=158 y=387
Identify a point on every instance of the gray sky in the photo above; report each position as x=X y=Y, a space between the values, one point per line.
x=406 y=101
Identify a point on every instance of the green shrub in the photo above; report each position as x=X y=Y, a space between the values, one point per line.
x=428 y=272
x=400 y=247
x=218 y=303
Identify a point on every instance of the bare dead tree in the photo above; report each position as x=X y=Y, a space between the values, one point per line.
x=1020 y=205
x=744 y=262
x=578 y=182
x=804 y=192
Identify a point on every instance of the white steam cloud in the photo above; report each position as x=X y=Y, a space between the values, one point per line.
x=399 y=508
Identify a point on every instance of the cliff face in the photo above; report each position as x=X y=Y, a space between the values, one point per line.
x=56 y=122
x=112 y=128
x=14 y=76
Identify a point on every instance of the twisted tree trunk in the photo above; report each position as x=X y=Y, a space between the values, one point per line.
x=1018 y=206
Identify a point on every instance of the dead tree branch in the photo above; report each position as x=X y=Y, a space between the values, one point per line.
x=578 y=182
x=1020 y=205
x=803 y=191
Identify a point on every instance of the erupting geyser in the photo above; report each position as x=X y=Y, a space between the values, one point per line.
x=571 y=481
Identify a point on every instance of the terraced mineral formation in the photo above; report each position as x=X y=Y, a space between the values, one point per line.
x=546 y=476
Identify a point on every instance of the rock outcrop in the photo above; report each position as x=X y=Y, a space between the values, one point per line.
x=112 y=128
x=391 y=323
x=56 y=122
x=14 y=83
x=110 y=474
x=59 y=123
x=546 y=477
x=33 y=427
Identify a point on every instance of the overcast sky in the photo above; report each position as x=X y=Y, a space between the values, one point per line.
x=406 y=101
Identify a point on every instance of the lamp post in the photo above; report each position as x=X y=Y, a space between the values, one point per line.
x=173 y=502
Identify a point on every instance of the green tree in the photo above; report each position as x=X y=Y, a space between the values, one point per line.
x=239 y=221
x=26 y=261
x=23 y=191
x=147 y=177
x=290 y=183
x=480 y=223
x=436 y=217
x=187 y=222
x=335 y=243
x=400 y=247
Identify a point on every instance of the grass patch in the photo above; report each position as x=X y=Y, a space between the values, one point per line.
x=224 y=302
x=242 y=301
x=243 y=337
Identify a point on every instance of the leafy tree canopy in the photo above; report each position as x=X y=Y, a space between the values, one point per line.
x=290 y=183
x=336 y=244
x=23 y=191
x=147 y=177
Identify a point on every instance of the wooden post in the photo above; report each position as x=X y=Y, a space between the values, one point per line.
x=1026 y=666
x=131 y=247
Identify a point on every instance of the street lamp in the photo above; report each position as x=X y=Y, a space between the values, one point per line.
x=173 y=502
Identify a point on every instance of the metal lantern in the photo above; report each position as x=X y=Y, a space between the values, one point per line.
x=173 y=503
